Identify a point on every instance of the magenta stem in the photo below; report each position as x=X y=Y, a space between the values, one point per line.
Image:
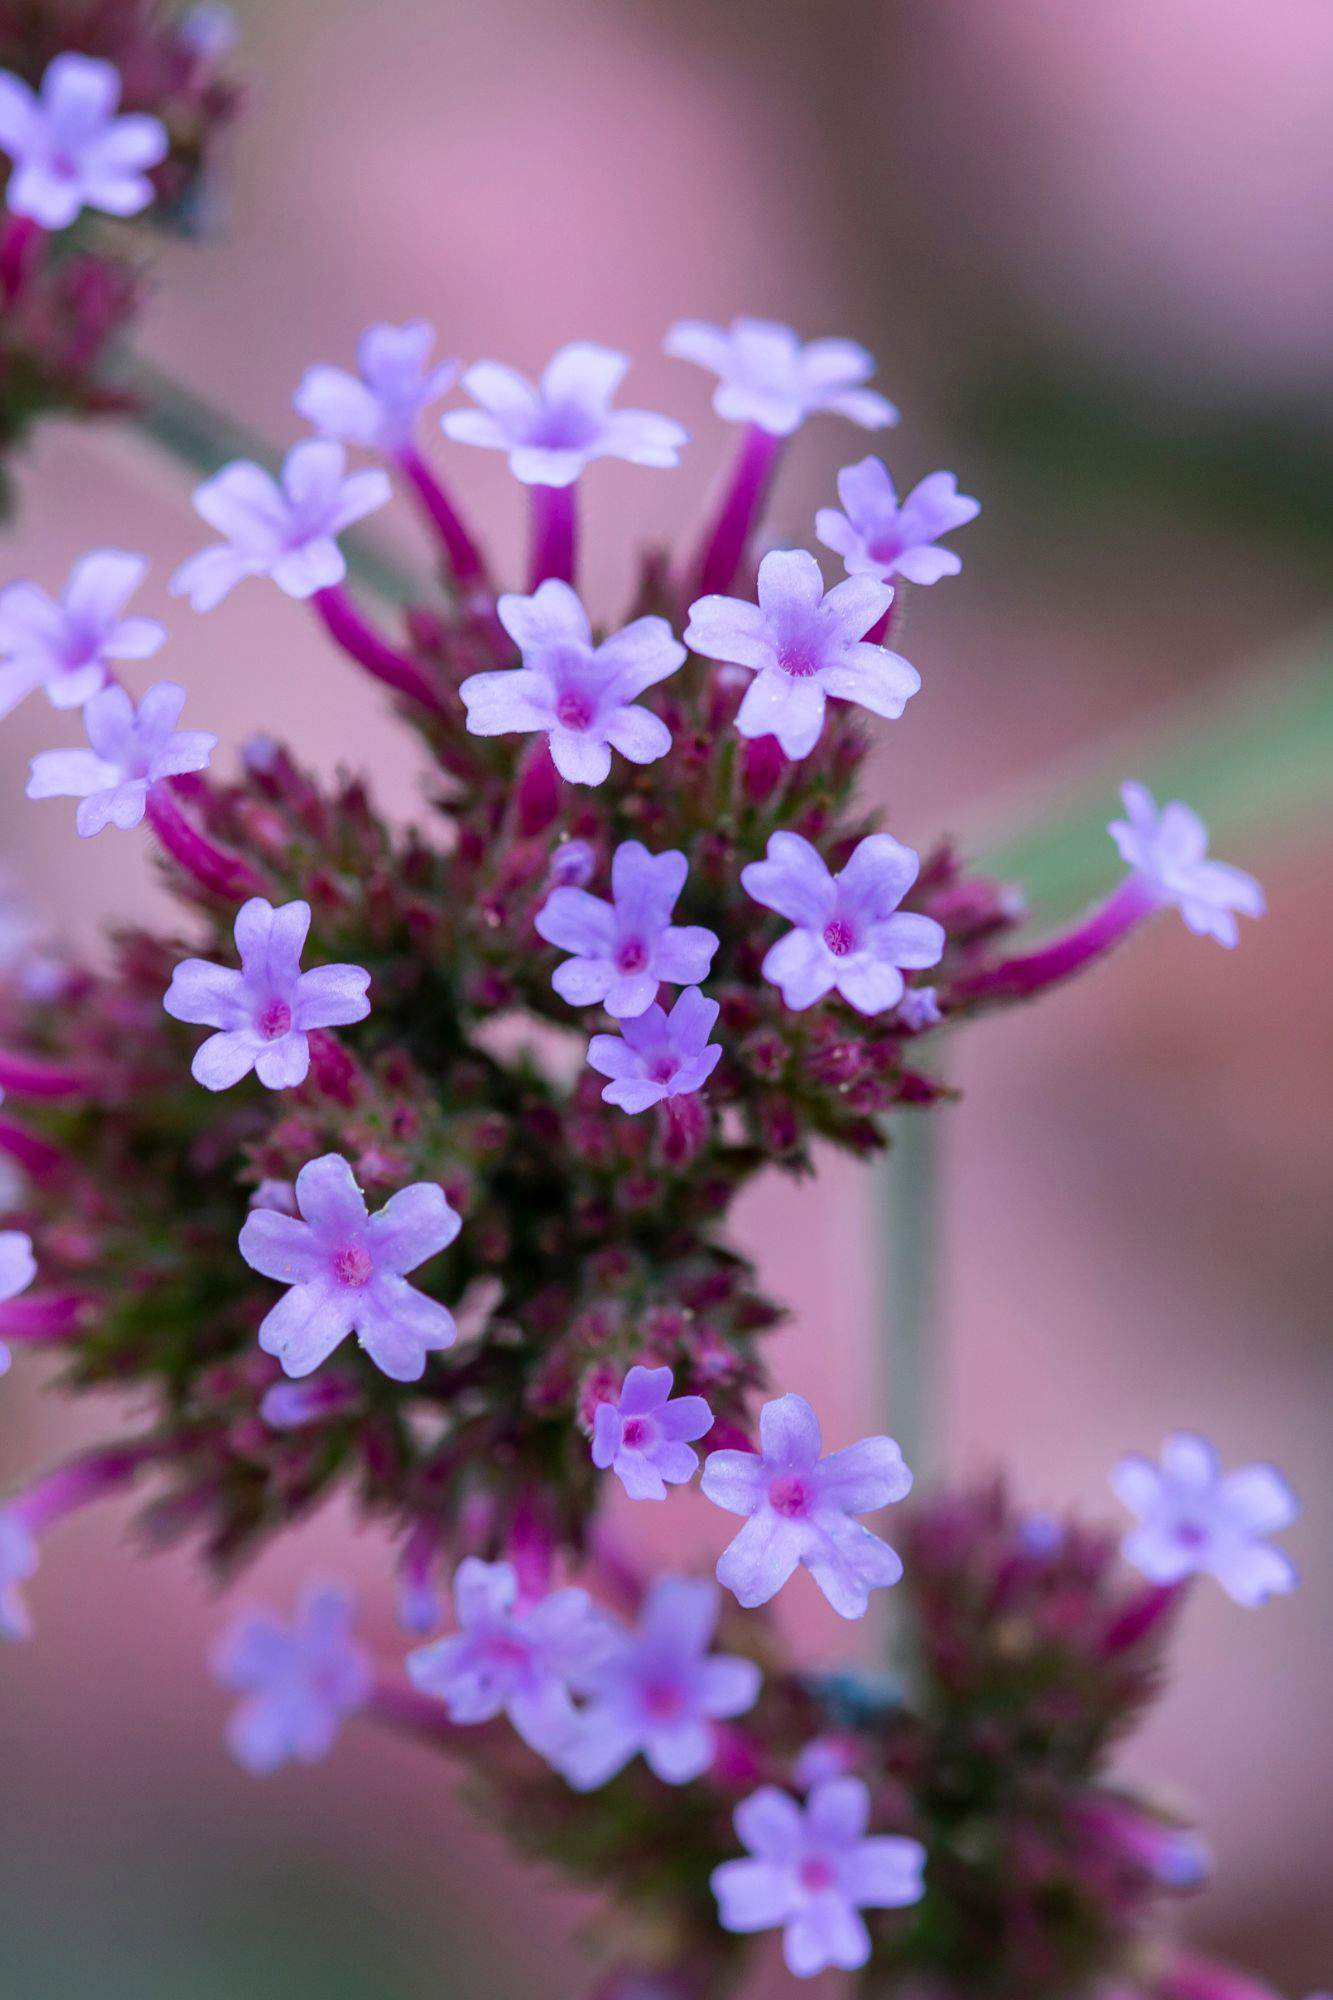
x=723 y=547
x=554 y=534
x=465 y=558
x=18 y=248
x=30 y=1076
x=1032 y=972
x=349 y=627
x=212 y=867
x=878 y=635
x=37 y=1156
x=43 y=1315
x=78 y=1484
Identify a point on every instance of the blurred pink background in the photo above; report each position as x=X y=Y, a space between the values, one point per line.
x=1090 y=248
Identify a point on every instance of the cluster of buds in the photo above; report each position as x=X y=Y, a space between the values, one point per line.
x=436 y=1210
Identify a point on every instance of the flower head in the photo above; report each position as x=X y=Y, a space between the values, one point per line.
x=1195 y=1519
x=919 y=1009
x=555 y=429
x=766 y=376
x=301 y=1680
x=513 y=1657
x=380 y=404
x=286 y=530
x=70 y=150
x=876 y=535
x=18 y=1268
x=1168 y=850
x=131 y=750
x=658 y=1055
x=800 y=1509
x=18 y=1563
x=346 y=1270
x=812 y=1870
x=850 y=937
x=266 y=1009
x=64 y=647
x=623 y=950
x=659 y=1690
x=644 y=1435
x=802 y=645
x=581 y=695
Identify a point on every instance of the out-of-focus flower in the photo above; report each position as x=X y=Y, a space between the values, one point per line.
x=767 y=377
x=554 y=430
x=18 y=1563
x=800 y=1507
x=131 y=750
x=70 y=150
x=1194 y=1518
x=64 y=647
x=380 y=404
x=623 y=950
x=301 y=1680
x=1168 y=850
x=18 y=1268
x=644 y=1435
x=919 y=1009
x=878 y=536
x=658 y=1055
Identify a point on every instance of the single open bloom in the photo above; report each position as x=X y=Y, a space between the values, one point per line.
x=131 y=750
x=70 y=149
x=300 y=1679
x=1195 y=1519
x=64 y=647
x=876 y=535
x=1167 y=848
x=658 y=1055
x=554 y=429
x=378 y=406
x=623 y=949
x=767 y=376
x=644 y=1435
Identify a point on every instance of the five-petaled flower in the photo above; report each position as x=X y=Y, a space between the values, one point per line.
x=623 y=950
x=659 y=1691
x=131 y=750
x=877 y=535
x=1168 y=850
x=850 y=936
x=644 y=1435
x=802 y=645
x=511 y=1656
x=379 y=405
x=69 y=148
x=1194 y=1518
x=658 y=1055
x=810 y=1872
x=18 y=1268
x=64 y=647
x=346 y=1270
x=555 y=429
x=287 y=531
x=18 y=1564
x=800 y=1507
x=766 y=376
x=265 y=1011
x=301 y=1680
x=582 y=696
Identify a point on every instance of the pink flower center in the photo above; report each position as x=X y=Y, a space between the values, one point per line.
x=353 y=1265
x=506 y=1649
x=634 y=1432
x=816 y=1873
x=790 y=1496
x=839 y=937
x=886 y=548
x=664 y=1701
x=574 y=710
x=663 y=1068
x=632 y=955
x=275 y=1021
x=563 y=427
x=794 y=659
x=1190 y=1534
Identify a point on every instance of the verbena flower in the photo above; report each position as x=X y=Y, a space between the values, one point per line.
x=1196 y=1519
x=766 y=376
x=553 y=430
x=623 y=950
x=346 y=1270
x=850 y=937
x=287 y=531
x=267 y=1009
x=378 y=406
x=658 y=1691
x=644 y=1434
x=70 y=150
x=513 y=1657
x=810 y=1872
x=803 y=645
x=580 y=695
x=1167 y=848
x=658 y=1055
x=131 y=750
x=18 y=1268
x=64 y=647
x=301 y=1680
x=800 y=1507
x=919 y=1009
x=877 y=535
x=18 y=1564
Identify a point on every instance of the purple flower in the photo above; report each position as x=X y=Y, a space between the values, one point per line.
x=513 y=1657
x=18 y=1563
x=287 y=531
x=64 y=647
x=1195 y=1519
x=659 y=1691
x=582 y=696
x=811 y=1872
x=573 y=865
x=658 y=1055
x=18 y=1268
x=800 y=1507
x=822 y=1758
x=644 y=1435
x=266 y=1010
x=1168 y=851
x=301 y=1680
x=876 y=536
x=70 y=150
x=803 y=645
x=347 y=1271
x=919 y=1009
x=551 y=432
x=380 y=404
x=625 y=948
x=767 y=377
x=850 y=935
x=131 y=750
